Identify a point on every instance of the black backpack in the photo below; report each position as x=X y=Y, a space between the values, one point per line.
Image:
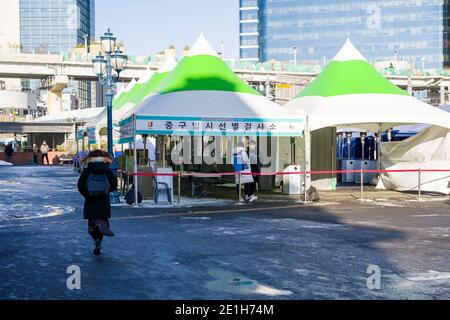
x=97 y=185
x=130 y=198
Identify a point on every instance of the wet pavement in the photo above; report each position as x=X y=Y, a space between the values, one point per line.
x=280 y=249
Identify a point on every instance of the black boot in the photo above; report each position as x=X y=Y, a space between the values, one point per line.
x=98 y=247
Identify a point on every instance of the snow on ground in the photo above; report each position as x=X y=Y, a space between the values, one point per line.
x=36 y=192
x=234 y=283
x=4 y=163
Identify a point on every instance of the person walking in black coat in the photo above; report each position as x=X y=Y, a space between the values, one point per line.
x=96 y=182
x=9 y=151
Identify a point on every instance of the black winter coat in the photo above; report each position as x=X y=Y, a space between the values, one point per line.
x=98 y=207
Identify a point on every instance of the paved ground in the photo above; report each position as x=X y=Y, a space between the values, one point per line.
x=230 y=251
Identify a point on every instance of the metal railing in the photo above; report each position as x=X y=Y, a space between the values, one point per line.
x=179 y=175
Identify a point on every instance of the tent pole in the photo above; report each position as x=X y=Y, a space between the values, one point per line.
x=379 y=149
x=127 y=184
x=163 y=138
x=121 y=172
x=239 y=187
x=307 y=138
x=135 y=178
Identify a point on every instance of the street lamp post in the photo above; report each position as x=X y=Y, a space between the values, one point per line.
x=108 y=69
x=294 y=52
x=86 y=36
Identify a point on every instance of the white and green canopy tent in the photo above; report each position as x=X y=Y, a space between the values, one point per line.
x=145 y=89
x=202 y=96
x=121 y=97
x=119 y=94
x=96 y=127
x=134 y=93
x=351 y=93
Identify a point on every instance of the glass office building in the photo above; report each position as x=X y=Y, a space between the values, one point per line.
x=412 y=30
x=56 y=26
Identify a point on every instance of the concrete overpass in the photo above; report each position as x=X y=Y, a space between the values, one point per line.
x=32 y=128
x=40 y=66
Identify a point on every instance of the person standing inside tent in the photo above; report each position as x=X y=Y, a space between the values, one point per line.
x=95 y=184
x=255 y=166
x=241 y=164
x=44 y=150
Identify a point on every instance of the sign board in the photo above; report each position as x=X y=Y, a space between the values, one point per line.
x=283 y=86
x=92 y=137
x=79 y=135
x=197 y=126
x=125 y=130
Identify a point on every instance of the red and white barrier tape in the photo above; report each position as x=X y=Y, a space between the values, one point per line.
x=217 y=175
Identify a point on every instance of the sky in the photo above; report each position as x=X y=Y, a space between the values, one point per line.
x=148 y=26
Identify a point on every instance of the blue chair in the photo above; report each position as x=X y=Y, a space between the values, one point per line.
x=161 y=186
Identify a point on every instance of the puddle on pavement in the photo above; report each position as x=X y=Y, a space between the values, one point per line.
x=234 y=283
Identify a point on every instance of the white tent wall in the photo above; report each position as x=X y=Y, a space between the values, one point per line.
x=323 y=157
x=281 y=155
x=429 y=149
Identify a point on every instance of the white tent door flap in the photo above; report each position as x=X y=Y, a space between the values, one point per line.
x=191 y=126
x=428 y=150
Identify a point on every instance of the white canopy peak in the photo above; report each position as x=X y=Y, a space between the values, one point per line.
x=169 y=64
x=146 y=76
x=348 y=52
x=202 y=47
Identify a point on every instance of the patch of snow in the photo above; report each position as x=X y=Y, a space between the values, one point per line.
x=302 y=272
x=430 y=275
x=269 y=291
x=237 y=284
x=43 y=215
x=9 y=182
x=305 y=224
x=429 y=199
x=426 y=215
x=382 y=203
x=5 y=163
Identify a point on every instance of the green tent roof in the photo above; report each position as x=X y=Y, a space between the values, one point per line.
x=203 y=70
x=137 y=87
x=350 y=73
x=140 y=93
x=121 y=100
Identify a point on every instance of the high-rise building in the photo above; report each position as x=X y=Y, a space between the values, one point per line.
x=9 y=37
x=314 y=30
x=249 y=30
x=56 y=26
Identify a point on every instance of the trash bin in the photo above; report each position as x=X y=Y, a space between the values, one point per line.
x=293 y=183
x=366 y=165
x=348 y=176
